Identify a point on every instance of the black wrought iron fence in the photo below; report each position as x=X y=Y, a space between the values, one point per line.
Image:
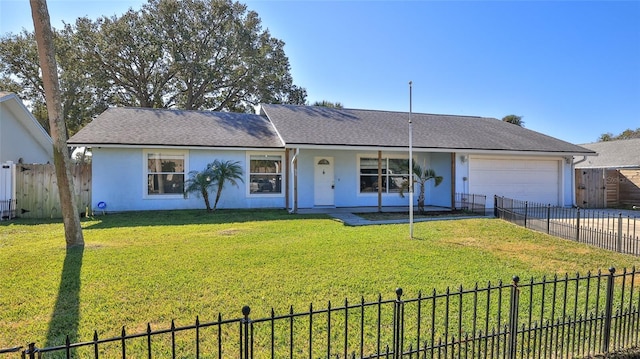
x=615 y=232
x=561 y=317
x=475 y=203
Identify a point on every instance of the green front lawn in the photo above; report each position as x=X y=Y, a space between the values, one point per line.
x=139 y=268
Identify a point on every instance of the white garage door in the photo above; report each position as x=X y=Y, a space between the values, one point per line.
x=533 y=180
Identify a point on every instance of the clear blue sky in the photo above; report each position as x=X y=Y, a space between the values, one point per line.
x=570 y=68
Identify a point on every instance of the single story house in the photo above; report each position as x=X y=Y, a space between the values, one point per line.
x=297 y=157
x=612 y=178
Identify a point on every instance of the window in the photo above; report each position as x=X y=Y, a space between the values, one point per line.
x=394 y=172
x=165 y=173
x=265 y=174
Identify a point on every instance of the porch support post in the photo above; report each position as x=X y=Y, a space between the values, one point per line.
x=295 y=181
x=453 y=180
x=379 y=181
x=294 y=171
x=287 y=177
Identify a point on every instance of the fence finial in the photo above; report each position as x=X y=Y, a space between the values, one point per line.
x=516 y=280
x=245 y=311
x=399 y=292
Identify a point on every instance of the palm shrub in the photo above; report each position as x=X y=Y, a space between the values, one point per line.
x=223 y=172
x=421 y=175
x=215 y=175
x=200 y=182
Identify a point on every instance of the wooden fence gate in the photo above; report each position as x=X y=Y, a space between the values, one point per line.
x=590 y=187
x=37 y=190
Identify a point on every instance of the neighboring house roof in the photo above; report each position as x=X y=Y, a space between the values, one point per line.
x=36 y=135
x=162 y=127
x=322 y=126
x=613 y=154
x=310 y=126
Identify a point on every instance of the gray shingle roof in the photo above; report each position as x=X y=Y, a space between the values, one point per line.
x=310 y=125
x=151 y=127
x=304 y=125
x=613 y=154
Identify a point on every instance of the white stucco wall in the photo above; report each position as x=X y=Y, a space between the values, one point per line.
x=118 y=179
x=441 y=195
x=564 y=181
x=346 y=179
x=568 y=189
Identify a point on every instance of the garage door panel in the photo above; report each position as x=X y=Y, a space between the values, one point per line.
x=524 y=179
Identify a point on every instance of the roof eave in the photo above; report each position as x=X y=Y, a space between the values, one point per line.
x=438 y=149
x=160 y=146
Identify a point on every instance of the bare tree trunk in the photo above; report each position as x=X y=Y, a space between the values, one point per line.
x=61 y=159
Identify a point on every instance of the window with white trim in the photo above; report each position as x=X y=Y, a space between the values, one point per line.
x=395 y=171
x=265 y=174
x=165 y=173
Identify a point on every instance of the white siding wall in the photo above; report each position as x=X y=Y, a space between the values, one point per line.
x=17 y=142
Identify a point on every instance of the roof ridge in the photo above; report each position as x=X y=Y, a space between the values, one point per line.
x=382 y=111
x=178 y=109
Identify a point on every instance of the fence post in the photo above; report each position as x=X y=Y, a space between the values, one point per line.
x=620 y=232
x=495 y=206
x=398 y=325
x=578 y=225
x=473 y=203
x=513 y=318
x=31 y=351
x=245 y=342
x=526 y=212
x=608 y=314
x=549 y=218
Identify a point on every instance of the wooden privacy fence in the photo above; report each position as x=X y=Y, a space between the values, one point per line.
x=602 y=188
x=37 y=190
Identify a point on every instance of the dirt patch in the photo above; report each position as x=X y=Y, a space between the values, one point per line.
x=228 y=232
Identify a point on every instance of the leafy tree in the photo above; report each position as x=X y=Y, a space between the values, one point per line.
x=81 y=96
x=62 y=162
x=606 y=137
x=222 y=172
x=624 y=135
x=200 y=183
x=190 y=54
x=325 y=103
x=421 y=175
x=516 y=120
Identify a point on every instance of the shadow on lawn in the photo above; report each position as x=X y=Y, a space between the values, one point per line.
x=189 y=217
x=66 y=312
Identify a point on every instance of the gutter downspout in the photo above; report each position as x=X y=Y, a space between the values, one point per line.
x=294 y=177
x=573 y=180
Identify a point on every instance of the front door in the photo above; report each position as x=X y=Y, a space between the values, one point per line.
x=323 y=181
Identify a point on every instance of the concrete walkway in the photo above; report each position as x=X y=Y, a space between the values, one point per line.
x=350 y=219
x=347 y=215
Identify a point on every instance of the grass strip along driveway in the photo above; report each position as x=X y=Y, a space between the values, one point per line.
x=152 y=267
